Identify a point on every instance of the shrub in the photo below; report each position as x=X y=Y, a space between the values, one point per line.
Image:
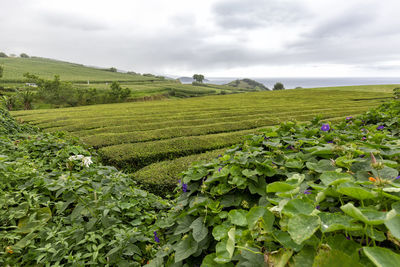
x=23 y=55
x=2 y=54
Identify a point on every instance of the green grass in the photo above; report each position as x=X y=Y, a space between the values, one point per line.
x=14 y=69
x=140 y=134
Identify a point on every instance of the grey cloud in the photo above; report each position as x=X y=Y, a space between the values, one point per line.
x=251 y=14
x=71 y=21
x=354 y=22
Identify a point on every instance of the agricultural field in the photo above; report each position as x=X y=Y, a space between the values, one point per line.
x=142 y=136
x=84 y=79
x=15 y=68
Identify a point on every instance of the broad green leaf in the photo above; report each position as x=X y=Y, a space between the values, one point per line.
x=302 y=227
x=375 y=234
x=279 y=259
x=230 y=243
x=340 y=242
x=220 y=231
x=200 y=231
x=382 y=257
x=222 y=255
x=279 y=187
x=260 y=214
x=336 y=221
x=286 y=241
x=184 y=225
x=335 y=258
x=208 y=261
x=185 y=248
x=297 y=206
x=334 y=178
x=238 y=217
x=322 y=166
x=304 y=258
x=294 y=164
x=356 y=191
x=393 y=225
x=366 y=215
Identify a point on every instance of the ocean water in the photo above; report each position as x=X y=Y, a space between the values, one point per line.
x=291 y=83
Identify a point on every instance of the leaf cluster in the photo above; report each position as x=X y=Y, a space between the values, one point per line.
x=55 y=211
x=294 y=196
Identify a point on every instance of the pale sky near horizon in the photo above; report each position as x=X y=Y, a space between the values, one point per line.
x=225 y=38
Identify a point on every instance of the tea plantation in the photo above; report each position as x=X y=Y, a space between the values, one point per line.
x=137 y=135
x=303 y=195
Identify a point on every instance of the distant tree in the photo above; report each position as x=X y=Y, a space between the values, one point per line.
x=27 y=98
x=198 y=78
x=117 y=93
x=1 y=71
x=279 y=86
x=23 y=55
x=112 y=69
x=2 y=54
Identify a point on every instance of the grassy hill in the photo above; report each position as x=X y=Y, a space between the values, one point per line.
x=158 y=139
x=14 y=69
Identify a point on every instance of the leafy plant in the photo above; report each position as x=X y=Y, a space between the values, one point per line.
x=59 y=206
x=297 y=195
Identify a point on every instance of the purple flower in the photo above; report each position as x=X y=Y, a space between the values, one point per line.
x=361 y=156
x=179 y=181
x=330 y=142
x=380 y=127
x=349 y=118
x=398 y=177
x=289 y=147
x=325 y=127
x=219 y=170
x=307 y=192
x=219 y=156
x=364 y=138
x=348 y=238
x=317 y=207
x=156 y=237
x=184 y=187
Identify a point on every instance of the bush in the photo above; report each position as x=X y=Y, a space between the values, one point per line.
x=23 y=55
x=278 y=86
x=301 y=195
x=2 y=54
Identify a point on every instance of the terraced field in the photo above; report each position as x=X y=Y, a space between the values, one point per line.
x=158 y=139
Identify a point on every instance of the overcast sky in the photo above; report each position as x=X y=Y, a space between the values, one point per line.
x=228 y=38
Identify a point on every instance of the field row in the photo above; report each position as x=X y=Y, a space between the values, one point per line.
x=113 y=138
x=121 y=124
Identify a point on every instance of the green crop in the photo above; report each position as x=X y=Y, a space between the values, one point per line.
x=134 y=135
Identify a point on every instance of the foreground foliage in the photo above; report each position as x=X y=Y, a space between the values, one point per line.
x=297 y=195
x=59 y=206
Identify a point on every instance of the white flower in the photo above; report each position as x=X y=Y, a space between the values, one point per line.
x=86 y=161
x=77 y=157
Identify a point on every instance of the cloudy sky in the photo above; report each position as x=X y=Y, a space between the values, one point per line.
x=241 y=38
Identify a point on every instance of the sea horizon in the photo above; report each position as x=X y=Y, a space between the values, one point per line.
x=312 y=82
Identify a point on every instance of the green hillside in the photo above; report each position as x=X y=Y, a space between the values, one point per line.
x=136 y=135
x=14 y=69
